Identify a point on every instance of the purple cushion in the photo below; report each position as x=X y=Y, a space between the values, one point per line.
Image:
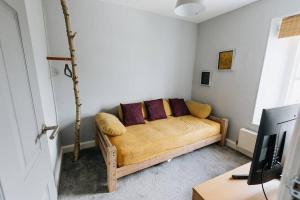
x=155 y=109
x=132 y=114
x=178 y=107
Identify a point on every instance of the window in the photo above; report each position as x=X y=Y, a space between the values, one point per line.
x=293 y=95
x=280 y=79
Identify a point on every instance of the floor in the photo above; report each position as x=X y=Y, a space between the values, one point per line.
x=86 y=179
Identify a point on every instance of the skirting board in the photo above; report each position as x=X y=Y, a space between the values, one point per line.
x=83 y=145
x=232 y=144
x=67 y=149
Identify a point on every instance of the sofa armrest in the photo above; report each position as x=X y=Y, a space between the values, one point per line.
x=224 y=126
x=109 y=153
x=104 y=144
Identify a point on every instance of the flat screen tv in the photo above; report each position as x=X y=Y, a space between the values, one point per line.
x=275 y=129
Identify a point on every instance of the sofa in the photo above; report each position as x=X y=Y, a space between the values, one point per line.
x=128 y=149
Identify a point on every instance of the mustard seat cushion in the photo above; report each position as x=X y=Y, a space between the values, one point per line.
x=199 y=110
x=146 y=141
x=110 y=124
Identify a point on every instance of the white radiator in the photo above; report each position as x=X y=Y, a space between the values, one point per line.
x=246 y=141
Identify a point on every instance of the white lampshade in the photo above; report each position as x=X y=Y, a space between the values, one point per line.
x=189 y=8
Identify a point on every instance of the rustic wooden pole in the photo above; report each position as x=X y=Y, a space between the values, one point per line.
x=71 y=36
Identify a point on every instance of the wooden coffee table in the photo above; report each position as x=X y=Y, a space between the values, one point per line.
x=224 y=188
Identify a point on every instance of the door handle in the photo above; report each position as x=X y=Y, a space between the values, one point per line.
x=48 y=128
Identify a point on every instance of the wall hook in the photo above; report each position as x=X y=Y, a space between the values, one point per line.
x=67 y=71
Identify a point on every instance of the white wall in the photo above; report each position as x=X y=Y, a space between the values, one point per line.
x=39 y=44
x=124 y=55
x=233 y=94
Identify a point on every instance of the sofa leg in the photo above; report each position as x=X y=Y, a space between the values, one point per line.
x=222 y=143
x=224 y=127
x=112 y=169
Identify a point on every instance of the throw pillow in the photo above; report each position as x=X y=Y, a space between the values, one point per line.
x=178 y=107
x=110 y=124
x=199 y=110
x=155 y=109
x=132 y=114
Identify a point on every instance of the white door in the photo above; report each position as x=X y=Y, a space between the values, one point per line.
x=25 y=169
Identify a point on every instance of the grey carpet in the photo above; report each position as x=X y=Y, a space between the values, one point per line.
x=86 y=179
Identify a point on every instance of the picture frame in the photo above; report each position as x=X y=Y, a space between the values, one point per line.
x=206 y=78
x=226 y=60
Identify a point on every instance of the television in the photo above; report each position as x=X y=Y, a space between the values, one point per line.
x=276 y=126
x=275 y=129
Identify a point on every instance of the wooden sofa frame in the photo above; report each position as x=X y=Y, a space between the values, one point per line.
x=114 y=172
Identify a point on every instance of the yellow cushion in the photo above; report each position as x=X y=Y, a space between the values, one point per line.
x=110 y=124
x=167 y=107
x=146 y=141
x=144 y=111
x=199 y=110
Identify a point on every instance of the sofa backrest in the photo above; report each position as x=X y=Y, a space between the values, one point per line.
x=167 y=107
x=197 y=109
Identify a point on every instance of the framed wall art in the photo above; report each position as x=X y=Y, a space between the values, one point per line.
x=226 y=59
x=206 y=78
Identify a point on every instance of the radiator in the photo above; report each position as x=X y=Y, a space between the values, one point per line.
x=246 y=141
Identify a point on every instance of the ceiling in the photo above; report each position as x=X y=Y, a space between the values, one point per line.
x=166 y=7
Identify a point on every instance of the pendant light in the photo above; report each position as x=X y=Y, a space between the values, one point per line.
x=189 y=8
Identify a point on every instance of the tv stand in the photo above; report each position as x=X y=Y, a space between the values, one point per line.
x=226 y=188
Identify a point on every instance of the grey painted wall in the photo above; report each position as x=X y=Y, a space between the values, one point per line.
x=233 y=94
x=124 y=55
